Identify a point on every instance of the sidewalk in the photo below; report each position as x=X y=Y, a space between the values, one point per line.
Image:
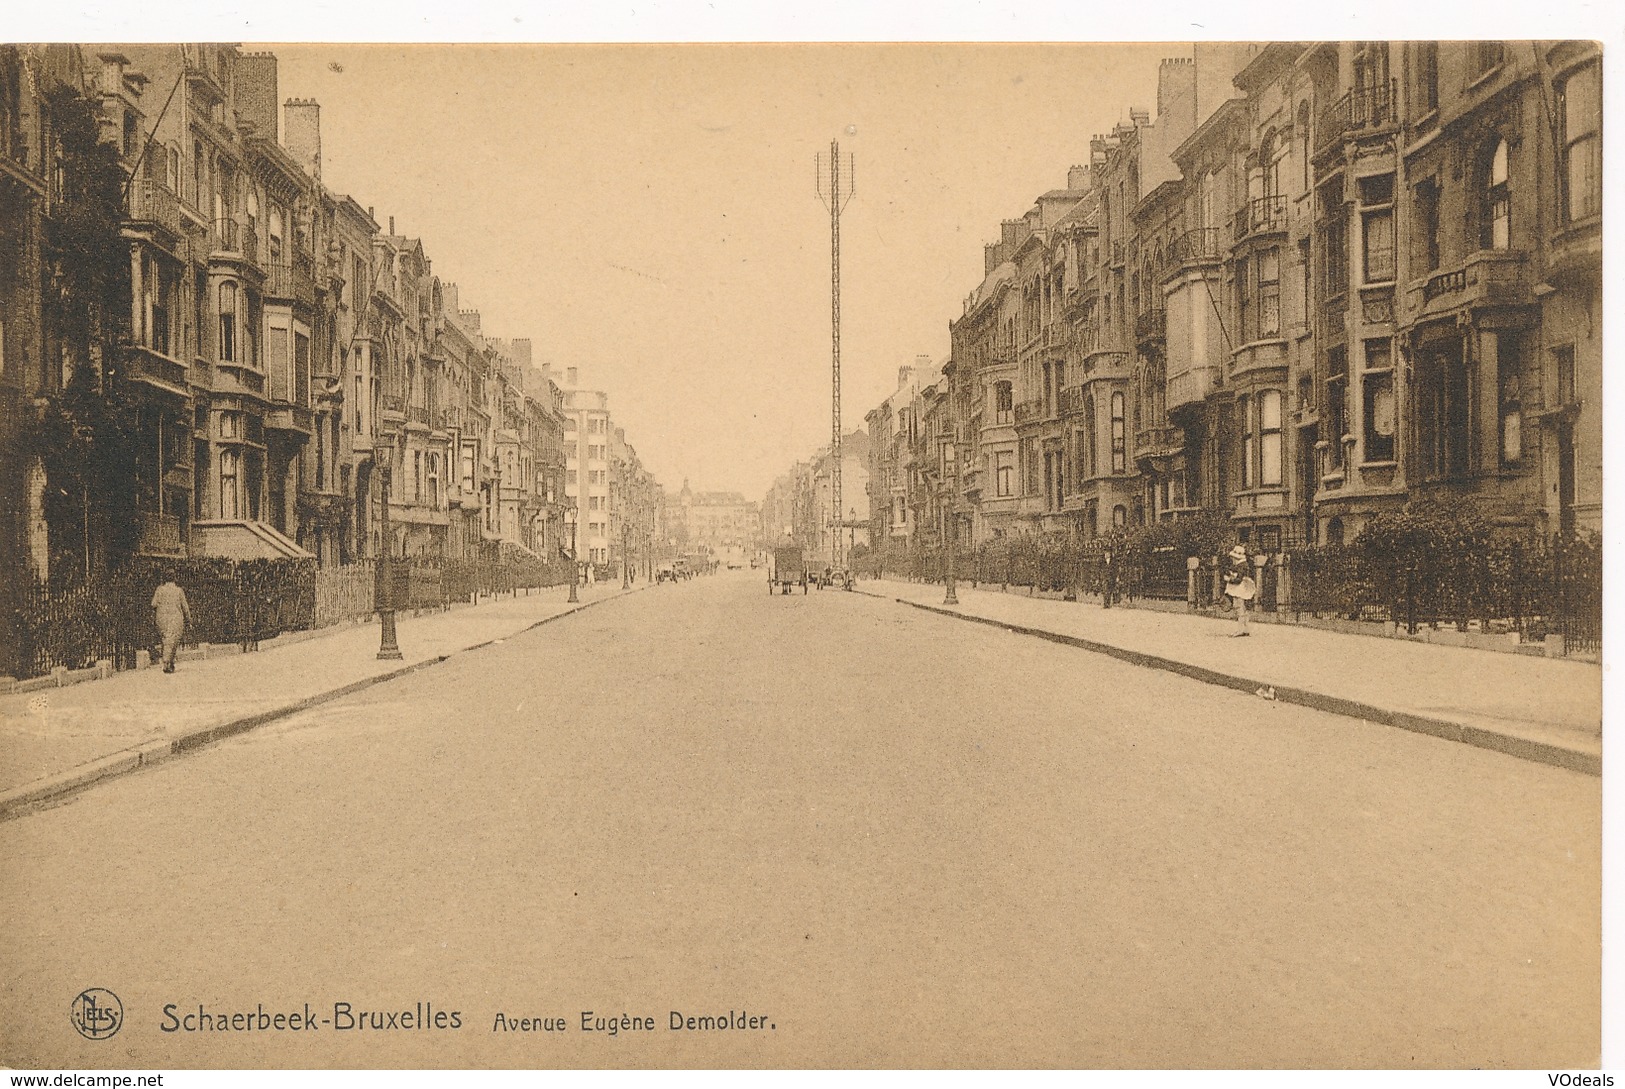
x=58 y=739
x=1542 y=709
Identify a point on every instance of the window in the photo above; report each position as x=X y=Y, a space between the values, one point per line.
x=1004 y=473
x=1580 y=108
x=1119 y=516
x=1003 y=402
x=1377 y=227
x=301 y=369
x=1563 y=366
x=1269 y=438
x=1119 y=435
x=417 y=474
x=1427 y=76
x=228 y=323
x=1379 y=413
x=1336 y=405
x=1249 y=439
x=1244 y=300
x=1089 y=465
x=1426 y=240
x=1509 y=367
x=1495 y=217
x=230 y=465
x=1269 y=293
x=570 y=476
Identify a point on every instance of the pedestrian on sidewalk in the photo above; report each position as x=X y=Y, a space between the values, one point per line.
x=1239 y=586
x=173 y=614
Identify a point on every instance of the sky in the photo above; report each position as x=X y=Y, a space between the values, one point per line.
x=649 y=215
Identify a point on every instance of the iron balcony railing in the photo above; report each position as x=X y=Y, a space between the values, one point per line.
x=1029 y=410
x=1199 y=244
x=1362 y=108
x=1261 y=216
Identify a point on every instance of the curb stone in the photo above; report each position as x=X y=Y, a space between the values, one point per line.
x=1522 y=748
x=54 y=787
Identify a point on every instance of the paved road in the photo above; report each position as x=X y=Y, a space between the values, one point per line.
x=900 y=839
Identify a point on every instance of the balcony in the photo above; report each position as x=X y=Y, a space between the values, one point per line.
x=1486 y=278
x=1158 y=443
x=1150 y=327
x=394 y=405
x=1361 y=109
x=158 y=370
x=1029 y=411
x=236 y=378
x=151 y=202
x=290 y=282
x=1190 y=386
x=160 y=534
x=1072 y=400
x=230 y=239
x=1263 y=215
x=1200 y=246
x=418 y=414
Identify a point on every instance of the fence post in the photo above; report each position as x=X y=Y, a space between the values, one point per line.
x=1192 y=564
x=1283 y=584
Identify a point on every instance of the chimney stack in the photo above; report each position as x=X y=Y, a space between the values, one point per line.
x=1139 y=115
x=521 y=351
x=570 y=377
x=391 y=225
x=1077 y=177
x=302 y=133
x=256 y=92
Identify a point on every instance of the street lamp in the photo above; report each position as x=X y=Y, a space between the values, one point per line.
x=388 y=649
x=626 y=572
x=575 y=564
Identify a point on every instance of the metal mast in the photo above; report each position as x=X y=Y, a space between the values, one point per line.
x=835 y=196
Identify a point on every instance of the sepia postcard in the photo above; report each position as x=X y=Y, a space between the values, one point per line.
x=1174 y=472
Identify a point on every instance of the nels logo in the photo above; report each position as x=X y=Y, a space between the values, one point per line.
x=97 y=1013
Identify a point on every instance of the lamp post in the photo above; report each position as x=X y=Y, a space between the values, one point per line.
x=575 y=564
x=388 y=649
x=626 y=543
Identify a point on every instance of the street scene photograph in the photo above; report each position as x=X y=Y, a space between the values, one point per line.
x=802 y=556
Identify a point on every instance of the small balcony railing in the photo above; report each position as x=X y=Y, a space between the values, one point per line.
x=1198 y=245
x=1072 y=400
x=1362 y=108
x=1261 y=216
x=1444 y=283
x=1158 y=442
x=152 y=202
x=393 y=402
x=1027 y=411
x=290 y=281
x=418 y=414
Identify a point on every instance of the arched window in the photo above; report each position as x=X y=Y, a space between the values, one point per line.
x=1495 y=228
x=228 y=322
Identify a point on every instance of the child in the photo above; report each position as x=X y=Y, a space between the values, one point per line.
x=1239 y=585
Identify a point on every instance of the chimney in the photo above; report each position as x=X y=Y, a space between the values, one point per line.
x=372 y=215
x=922 y=363
x=570 y=377
x=521 y=351
x=448 y=297
x=470 y=320
x=1176 y=80
x=302 y=133
x=904 y=373
x=1077 y=177
x=256 y=92
x=391 y=224
x=1139 y=115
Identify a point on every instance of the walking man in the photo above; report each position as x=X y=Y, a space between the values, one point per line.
x=1239 y=585
x=173 y=614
